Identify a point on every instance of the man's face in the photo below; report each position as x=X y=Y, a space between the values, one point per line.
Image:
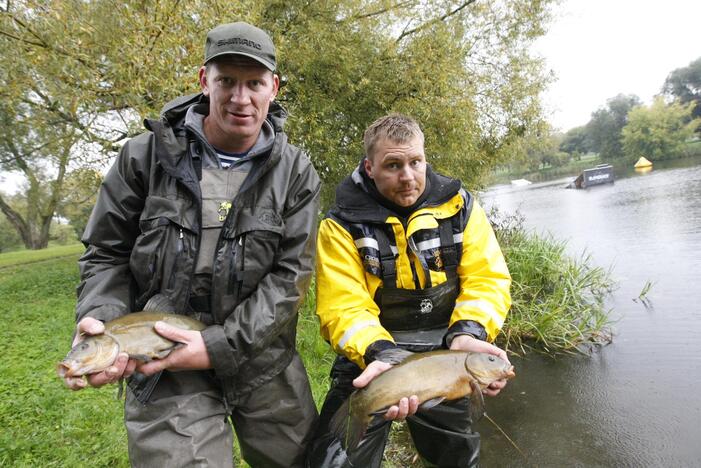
x=398 y=169
x=240 y=92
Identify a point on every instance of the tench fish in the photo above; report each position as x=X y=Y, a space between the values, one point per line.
x=132 y=334
x=433 y=376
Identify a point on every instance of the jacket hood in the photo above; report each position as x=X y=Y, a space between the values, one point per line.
x=354 y=202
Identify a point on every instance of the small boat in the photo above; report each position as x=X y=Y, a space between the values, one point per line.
x=521 y=182
x=601 y=174
x=642 y=162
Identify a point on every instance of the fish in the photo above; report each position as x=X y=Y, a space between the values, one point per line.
x=434 y=377
x=132 y=334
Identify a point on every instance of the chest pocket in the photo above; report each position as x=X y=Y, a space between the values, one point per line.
x=167 y=234
x=253 y=242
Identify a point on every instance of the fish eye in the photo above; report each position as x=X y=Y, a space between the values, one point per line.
x=84 y=346
x=491 y=358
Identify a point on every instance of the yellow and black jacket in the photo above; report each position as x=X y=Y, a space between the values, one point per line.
x=350 y=268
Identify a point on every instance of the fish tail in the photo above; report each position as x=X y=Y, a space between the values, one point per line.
x=349 y=426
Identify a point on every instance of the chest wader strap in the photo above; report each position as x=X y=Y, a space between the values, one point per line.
x=388 y=260
x=449 y=251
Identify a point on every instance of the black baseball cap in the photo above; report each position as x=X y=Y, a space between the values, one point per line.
x=240 y=39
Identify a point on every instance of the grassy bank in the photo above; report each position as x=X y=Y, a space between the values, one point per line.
x=44 y=424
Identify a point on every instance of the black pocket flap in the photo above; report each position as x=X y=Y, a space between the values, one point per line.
x=158 y=211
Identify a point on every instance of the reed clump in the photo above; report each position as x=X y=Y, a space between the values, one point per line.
x=558 y=300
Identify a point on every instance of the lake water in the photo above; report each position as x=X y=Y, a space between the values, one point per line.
x=636 y=401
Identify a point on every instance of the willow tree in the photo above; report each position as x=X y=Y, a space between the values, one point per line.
x=659 y=131
x=97 y=68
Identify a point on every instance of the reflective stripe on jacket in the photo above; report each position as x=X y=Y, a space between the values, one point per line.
x=348 y=274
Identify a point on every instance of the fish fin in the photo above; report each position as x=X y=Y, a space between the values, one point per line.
x=347 y=427
x=159 y=303
x=428 y=404
x=140 y=357
x=476 y=402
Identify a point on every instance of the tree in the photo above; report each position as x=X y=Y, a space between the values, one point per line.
x=462 y=68
x=535 y=150
x=8 y=235
x=606 y=123
x=685 y=84
x=576 y=141
x=81 y=189
x=659 y=131
x=35 y=145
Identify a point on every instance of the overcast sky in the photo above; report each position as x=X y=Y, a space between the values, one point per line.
x=600 y=48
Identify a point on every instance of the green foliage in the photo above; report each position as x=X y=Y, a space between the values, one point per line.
x=659 y=131
x=576 y=141
x=9 y=239
x=604 y=128
x=535 y=151
x=685 y=85
x=62 y=233
x=81 y=188
x=462 y=68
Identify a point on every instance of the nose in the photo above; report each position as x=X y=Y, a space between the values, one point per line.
x=406 y=173
x=239 y=94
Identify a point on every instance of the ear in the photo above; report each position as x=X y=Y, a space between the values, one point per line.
x=276 y=87
x=367 y=164
x=202 y=75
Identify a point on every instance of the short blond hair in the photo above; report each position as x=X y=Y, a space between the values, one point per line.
x=397 y=128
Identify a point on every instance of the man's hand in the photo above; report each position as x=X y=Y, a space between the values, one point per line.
x=472 y=344
x=123 y=366
x=407 y=406
x=192 y=355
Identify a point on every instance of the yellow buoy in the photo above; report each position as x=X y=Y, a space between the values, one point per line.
x=642 y=162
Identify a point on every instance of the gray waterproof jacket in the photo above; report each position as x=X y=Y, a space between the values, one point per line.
x=144 y=232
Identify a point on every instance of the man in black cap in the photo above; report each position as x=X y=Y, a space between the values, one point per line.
x=211 y=213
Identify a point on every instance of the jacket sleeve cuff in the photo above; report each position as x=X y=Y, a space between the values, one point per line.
x=376 y=347
x=221 y=355
x=104 y=313
x=465 y=327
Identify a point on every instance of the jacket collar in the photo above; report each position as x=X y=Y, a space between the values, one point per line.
x=354 y=203
x=173 y=136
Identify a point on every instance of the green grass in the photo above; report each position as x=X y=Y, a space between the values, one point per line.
x=19 y=257
x=557 y=308
x=44 y=423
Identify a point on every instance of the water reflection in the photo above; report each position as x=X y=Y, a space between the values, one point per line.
x=635 y=402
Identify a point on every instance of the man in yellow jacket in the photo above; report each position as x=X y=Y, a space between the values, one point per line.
x=406 y=260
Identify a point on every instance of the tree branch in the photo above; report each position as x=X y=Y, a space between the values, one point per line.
x=17 y=38
x=17 y=221
x=435 y=20
x=42 y=43
x=375 y=13
x=155 y=38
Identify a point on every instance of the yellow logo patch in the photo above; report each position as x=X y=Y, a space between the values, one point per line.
x=223 y=210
